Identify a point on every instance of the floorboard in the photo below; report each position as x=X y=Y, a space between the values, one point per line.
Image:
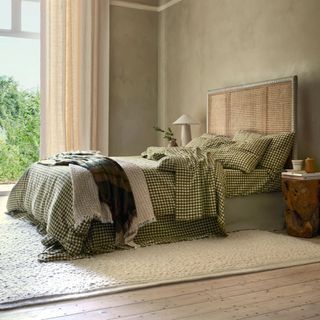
x=288 y=293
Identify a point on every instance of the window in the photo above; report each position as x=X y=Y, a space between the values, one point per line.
x=5 y=14
x=19 y=86
x=20 y=18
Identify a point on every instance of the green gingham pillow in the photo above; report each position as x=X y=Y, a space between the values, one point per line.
x=198 y=142
x=208 y=140
x=242 y=156
x=277 y=152
x=244 y=135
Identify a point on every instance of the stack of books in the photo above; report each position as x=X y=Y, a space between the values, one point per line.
x=300 y=175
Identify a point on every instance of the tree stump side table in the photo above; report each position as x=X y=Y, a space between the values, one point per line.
x=302 y=206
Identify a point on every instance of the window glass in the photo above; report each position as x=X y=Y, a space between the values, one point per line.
x=19 y=88
x=5 y=14
x=19 y=106
x=20 y=59
x=30 y=16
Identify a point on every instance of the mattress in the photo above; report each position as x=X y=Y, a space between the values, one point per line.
x=258 y=181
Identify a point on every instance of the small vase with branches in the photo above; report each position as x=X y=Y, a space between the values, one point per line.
x=168 y=135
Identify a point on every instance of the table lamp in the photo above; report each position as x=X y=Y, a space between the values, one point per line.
x=185 y=121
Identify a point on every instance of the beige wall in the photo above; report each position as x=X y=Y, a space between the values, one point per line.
x=133 y=80
x=162 y=2
x=207 y=44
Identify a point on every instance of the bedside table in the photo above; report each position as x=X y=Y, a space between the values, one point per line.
x=302 y=206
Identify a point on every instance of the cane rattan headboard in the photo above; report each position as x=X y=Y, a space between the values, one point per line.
x=265 y=107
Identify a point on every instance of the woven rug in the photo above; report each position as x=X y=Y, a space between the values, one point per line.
x=25 y=281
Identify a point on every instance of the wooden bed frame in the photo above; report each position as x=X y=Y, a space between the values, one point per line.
x=265 y=107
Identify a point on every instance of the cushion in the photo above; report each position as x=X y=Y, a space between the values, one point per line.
x=198 y=142
x=244 y=135
x=278 y=150
x=208 y=140
x=242 y=156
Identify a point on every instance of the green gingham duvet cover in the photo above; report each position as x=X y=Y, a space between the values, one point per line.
x=187 y=193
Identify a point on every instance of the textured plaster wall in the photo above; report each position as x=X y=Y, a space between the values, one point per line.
x=133 y=80
x=162 y=2
x=207 y=44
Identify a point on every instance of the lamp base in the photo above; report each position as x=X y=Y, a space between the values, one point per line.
x=185 y=134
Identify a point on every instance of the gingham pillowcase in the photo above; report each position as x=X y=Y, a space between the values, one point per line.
x=278 y=150
x=208 y=140
x=198 y=142
x=242 y=156
x=244 y=135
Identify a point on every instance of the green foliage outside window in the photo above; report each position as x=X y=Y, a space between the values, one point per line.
x=19 y=129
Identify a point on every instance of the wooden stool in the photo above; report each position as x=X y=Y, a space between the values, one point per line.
x=302 y=206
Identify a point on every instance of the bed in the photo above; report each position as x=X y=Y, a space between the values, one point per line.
x=45 y=195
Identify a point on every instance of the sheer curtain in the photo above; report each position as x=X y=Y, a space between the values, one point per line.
x=74 y=75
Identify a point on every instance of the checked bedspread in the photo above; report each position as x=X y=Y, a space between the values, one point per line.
x=186 y=189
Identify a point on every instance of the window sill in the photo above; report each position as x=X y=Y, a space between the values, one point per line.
x=5 y=189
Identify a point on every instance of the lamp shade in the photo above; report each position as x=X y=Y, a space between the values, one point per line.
x=185 y=119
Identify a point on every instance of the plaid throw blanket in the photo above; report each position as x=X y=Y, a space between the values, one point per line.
x=112 y=182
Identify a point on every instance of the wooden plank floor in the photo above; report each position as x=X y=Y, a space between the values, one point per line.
x=286 y=294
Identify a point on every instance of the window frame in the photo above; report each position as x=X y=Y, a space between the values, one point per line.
x=15 y=30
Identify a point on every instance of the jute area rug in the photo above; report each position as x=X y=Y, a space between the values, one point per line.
x=25 y=281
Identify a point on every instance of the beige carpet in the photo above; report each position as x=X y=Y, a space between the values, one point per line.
x=25 y=281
